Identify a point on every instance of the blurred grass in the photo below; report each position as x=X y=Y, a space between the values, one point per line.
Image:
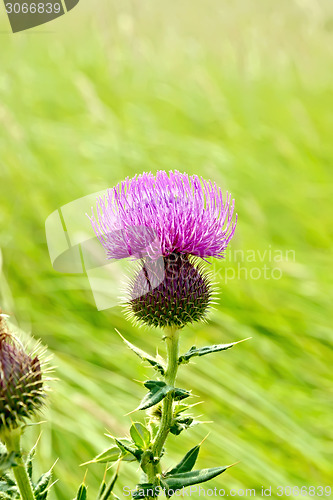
x=241 y=93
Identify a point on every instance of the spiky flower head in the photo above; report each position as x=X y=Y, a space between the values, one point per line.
x=21 y=386
x=165 y=220
x=172 y=291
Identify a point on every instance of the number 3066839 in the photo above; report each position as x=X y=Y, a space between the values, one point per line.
x=33 y=8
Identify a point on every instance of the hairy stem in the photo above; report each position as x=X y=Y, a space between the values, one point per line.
x=172 y=340
x=13 y=443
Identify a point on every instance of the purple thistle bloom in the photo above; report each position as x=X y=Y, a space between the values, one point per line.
x=156 y=216
x=166 y=221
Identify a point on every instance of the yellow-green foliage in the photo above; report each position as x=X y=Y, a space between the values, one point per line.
x=239 y=92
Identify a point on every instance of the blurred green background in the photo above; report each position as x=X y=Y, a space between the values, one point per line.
x=239 y=92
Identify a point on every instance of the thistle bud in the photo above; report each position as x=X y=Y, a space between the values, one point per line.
x=170 y=292
x=21 y=385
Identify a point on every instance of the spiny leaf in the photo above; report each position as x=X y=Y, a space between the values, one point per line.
x=158 y=391
x=181 y=424
x=110 y=455
x=7 y=460
x=180 y=394
x=128 y=457
x=6 y=479
x=7 y=493
x=82 y=492
x=129 y=449
x=144 y=356
x=180 y=408
x=154 y=396
x=187 y=463
x=202 y=351
x=125 y=456
x=29 y=463
x=182 y=480
x=140 y=435
x=103 y=484
x=101 y=489
x=41 y=486
x=154 y=384
x=8 y=488
x=30 y=458
x=108 y=490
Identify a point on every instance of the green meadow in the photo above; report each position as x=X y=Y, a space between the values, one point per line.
x=239 y=92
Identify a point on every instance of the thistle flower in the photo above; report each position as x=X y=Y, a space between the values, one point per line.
x=21 y=385
x=165 y=221
x=159 y=215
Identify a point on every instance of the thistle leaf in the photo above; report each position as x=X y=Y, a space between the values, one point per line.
x=202 y=351
x=101 y=489
x=129 y=449
x=6 y=480
x=154 y=396
x=152 y=384
x=29 y=463
x=81 y=493
x=128 y=457
x=184 y=479
x=108 y=490
x=110 y=455
x=8 y=488
x=140 y=435
x=7 y=460
x=187 y=463
x=125 y=455
x=180 y=408
x=144 y=356
x=181 y=424
x=30 y=457
x=157 y=391
x=181 y=394
x=40 y=489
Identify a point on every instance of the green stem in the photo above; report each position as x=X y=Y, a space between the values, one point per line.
x=172 y=341
x=12 y=440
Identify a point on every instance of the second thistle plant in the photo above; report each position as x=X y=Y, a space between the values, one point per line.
x=22 y=395
x=169 y=223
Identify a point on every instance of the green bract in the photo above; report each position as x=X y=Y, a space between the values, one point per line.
x=170 y=292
